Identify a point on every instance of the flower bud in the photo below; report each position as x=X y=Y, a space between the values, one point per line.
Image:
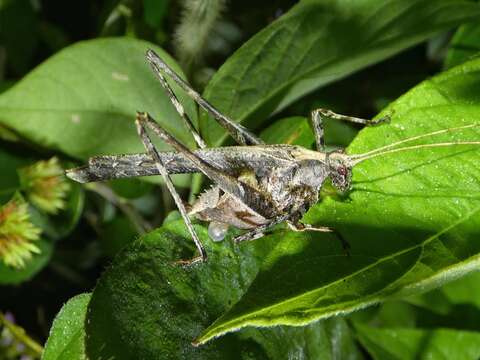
x=45 y=185
x=17 y=234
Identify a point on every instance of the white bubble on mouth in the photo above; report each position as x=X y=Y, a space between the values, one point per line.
x=217 y=231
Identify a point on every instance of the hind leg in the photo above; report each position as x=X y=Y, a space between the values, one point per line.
x=237 y=131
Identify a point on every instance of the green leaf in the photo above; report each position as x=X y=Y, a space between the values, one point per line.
x=145 y=306
x=293 y=130
x=464 y=45
x=67 y=335
x=316 y=43
x=411 y=218
x=404 y=343
x=82 y=101
x=329 y=339
x=462 y=292
x=10 y=276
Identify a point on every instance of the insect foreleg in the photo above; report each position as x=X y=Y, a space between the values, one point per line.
x=317 y=121
x=152 y=151
x=179 y=107
x=237 y=131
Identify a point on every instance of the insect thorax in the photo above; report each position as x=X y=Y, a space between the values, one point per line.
x=292 y=189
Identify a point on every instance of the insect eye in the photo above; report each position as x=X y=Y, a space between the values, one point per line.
x=342 y=170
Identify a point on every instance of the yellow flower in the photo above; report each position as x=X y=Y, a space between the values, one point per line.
x=17 y=234
x=45 y=185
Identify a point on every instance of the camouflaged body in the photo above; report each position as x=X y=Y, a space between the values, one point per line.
x=289 y=176
x=292 y=186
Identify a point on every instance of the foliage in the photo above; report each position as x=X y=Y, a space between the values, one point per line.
x=406 y=289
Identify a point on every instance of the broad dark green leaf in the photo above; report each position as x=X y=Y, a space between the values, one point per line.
x=405 y=344
x=316 y=43
x=83 y=100
x=67 y=335
x=10 y=276
x=411 y=218
x=144 y=306
x=464 y=45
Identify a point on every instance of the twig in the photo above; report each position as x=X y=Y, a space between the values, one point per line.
x=141 y=225
x=20 y=334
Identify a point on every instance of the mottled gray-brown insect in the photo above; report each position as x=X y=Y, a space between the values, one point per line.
x=256 y=186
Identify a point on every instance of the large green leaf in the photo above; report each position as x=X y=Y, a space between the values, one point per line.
x=412 y=218
x=316 y=43
x=406 y=344
x=67 y=335
x=145 y=306
x=83 y=100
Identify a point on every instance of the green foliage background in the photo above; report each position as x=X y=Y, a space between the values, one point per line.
x=71 y=80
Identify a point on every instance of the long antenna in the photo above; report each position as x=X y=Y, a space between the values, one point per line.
x=438 y=132
x=362 y=157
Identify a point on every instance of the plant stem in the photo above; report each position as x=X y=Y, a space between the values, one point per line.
x=20 y=334
x=140 y=224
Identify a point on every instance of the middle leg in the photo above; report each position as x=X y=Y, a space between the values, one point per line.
x=237 y=131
